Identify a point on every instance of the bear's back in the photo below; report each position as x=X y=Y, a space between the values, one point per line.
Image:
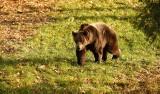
x=103 y=28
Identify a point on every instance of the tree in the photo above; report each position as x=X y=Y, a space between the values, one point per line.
x=149 y=18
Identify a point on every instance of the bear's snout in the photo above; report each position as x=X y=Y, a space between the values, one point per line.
x=79 y=47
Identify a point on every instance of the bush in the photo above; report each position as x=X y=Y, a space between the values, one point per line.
x=149 y=18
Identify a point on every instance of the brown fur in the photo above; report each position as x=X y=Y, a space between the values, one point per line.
x=99 y=39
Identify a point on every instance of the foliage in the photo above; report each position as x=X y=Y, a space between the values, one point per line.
x=149 y=18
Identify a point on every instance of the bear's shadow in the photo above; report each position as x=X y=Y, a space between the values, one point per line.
x=24 y=61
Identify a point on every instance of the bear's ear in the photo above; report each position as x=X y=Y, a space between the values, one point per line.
x=83 y=25
x=74 y=33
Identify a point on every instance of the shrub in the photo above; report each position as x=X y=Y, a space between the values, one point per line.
x=149 y=18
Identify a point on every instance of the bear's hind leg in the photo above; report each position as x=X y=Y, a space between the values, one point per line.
x=115 y=56
x=105 y=51
x=104 y=57
x=100 y=54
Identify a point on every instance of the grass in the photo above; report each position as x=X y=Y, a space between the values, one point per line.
x=38 y=52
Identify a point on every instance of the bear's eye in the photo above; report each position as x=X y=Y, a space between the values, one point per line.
x=81 y=39
x=76 y=40
x=85 y=33
x=86 y=37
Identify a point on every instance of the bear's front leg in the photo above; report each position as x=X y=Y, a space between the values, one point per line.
x=81 y=56
x=115 y=56
x=97 y=56
x=104 y=57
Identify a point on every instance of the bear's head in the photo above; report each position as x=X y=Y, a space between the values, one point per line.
x=84 y=36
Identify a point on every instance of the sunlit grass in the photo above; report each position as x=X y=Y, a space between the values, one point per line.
x=45 y=62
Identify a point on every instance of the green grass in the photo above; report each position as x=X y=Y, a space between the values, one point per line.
x=41 y=59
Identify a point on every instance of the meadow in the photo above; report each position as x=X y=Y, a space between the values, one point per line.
x=37 y=51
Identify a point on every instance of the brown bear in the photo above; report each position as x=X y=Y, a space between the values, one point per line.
x=99 y=39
